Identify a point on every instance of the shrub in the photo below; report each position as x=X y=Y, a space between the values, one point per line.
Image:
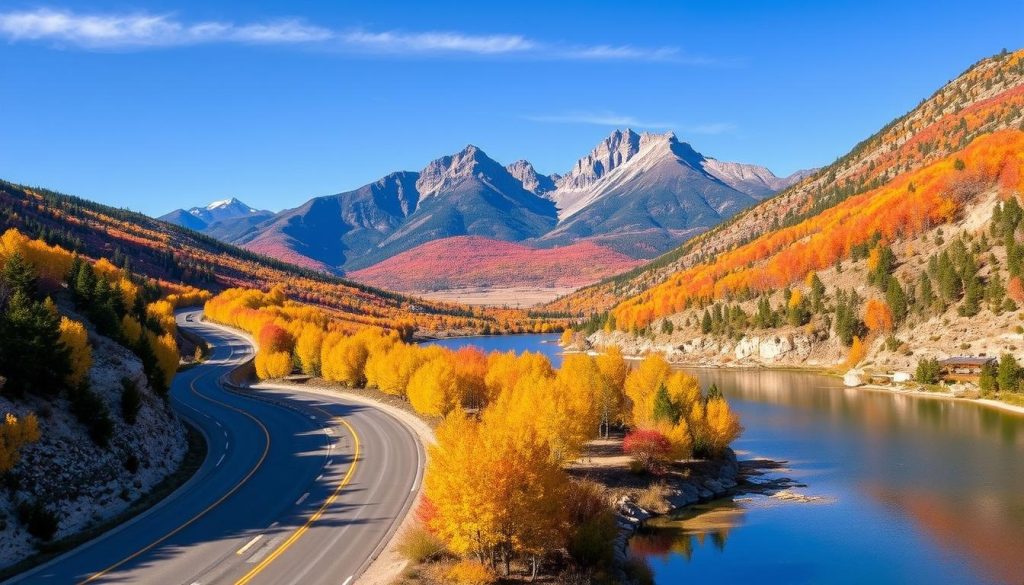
x=654 y=498
x=418 y=544
x=649 y=448
x=131 y=400
x=594 y=528
x=927 y=371
x=91 y=411
x=470 y=573
x=38 y=520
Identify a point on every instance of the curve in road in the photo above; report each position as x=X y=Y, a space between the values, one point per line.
x=297 y=487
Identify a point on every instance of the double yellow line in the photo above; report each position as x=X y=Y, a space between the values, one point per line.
x=266 y=449
x=316 y=515
x=190 y=521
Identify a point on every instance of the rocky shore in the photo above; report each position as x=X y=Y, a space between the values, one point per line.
x=709 y=480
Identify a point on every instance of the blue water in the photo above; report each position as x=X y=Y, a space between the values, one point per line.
x=912 y=489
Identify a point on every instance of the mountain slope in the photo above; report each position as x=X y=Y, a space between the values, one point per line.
x=642 y=195
x=986 y=98
x=171 y=253
x=473 y=261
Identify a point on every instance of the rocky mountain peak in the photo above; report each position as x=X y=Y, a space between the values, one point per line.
x=533 y=182
x=441 y=173
x=618 y=148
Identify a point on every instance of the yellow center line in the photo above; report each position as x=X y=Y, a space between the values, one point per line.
x=190 y=521
x=316 y=515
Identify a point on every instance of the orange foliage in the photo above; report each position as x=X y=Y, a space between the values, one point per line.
x=877 y=316
x=785 y=256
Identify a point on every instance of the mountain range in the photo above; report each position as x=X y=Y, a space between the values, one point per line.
x=636 y=194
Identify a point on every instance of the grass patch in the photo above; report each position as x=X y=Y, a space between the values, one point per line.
x=1013 y=398
x=654 y=498
x=418 y=545
x=193 y=459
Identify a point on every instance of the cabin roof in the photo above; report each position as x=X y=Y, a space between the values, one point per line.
x=967 y=360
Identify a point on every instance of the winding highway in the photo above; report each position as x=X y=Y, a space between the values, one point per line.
x=297 y=487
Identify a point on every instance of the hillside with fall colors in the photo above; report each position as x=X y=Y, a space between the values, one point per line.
x=174 y=254
x=902 y=251
x=470 y=261
x=986 y=98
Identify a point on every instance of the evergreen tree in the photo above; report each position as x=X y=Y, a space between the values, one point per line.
x=705 y=323
x=32 y=357
x=665 y=410
x=817 y=294
x=987 y=380
x=927 y=295
x=950 y=284
x=1008 y=375
x=995 y=293
x=19 y=276
x=897 y=301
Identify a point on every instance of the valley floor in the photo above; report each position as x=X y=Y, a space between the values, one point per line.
x=517 y=297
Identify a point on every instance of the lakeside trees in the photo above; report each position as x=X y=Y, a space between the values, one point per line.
x=495 y=487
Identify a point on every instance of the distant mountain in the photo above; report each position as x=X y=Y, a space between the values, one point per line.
x=754 y=180
x=225 y=220
x=639 y=194
x=643 y=194
x=466 y=193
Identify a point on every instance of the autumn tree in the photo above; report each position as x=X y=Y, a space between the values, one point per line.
x=877 y=316
x=434 y=388
x=76 y=340
x=15 y=433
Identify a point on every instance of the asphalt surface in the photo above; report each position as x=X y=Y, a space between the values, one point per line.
x=296 y=488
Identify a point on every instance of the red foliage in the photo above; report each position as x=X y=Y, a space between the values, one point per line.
x=472 y=261
x=648 y=447
x=274 y=338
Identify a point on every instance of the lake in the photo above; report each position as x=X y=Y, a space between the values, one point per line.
x=907 y=489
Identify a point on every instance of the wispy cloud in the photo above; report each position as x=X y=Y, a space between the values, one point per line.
x=141 y=30
x=624 y=121
x=599 y=119
x=398 y=42
x=147 y=30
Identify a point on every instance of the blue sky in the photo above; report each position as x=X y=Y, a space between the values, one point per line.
x=160 y=105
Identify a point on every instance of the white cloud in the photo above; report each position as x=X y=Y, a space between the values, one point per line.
x=397 y=42
x=142 y=30
x=146 y=30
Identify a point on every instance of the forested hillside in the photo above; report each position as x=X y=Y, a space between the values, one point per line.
x=986 y=98
x=87 y=355
x=912 y=254
x=174 y=254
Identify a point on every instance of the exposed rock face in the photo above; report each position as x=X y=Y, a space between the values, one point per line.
x=639 y=194
x=532 y=181
x=79 y=481
x=792 y=348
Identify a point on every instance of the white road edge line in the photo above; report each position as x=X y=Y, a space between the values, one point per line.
x=346 y=582
x=249 y=544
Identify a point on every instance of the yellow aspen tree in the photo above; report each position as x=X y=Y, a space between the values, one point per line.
x=722 y=425
x=307 y=349
x=433 y=390
x=74 y=336
x=641 y=386
x=131 y=329
x=15 y=433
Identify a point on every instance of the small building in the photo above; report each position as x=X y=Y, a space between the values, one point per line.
x=964 y=367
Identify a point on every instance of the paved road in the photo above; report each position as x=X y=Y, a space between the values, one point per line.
x=296 y=488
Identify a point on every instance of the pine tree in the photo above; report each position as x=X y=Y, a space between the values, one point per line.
x=705 y=323
x=1008 y=375
x=665 y=411
x=927 y=295
x=987 y=380
x=897 y=301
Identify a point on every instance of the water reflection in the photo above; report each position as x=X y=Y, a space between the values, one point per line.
x=920 y=489
x=697 y=527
